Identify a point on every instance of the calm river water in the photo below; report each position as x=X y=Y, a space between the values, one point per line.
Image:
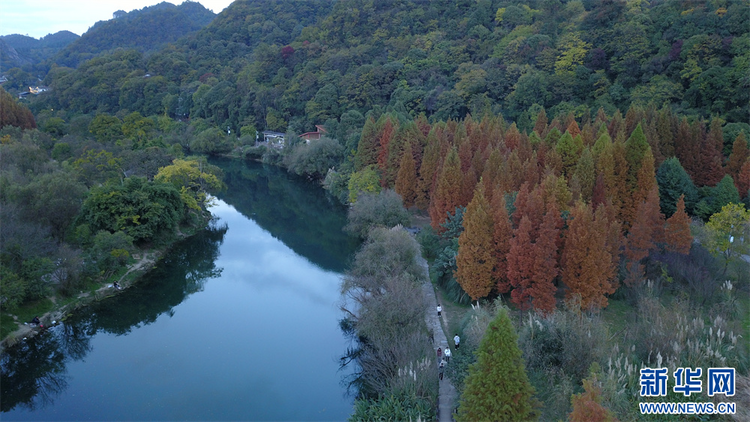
x=239 y=322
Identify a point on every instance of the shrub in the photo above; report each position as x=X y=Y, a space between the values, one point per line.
x=382 y=210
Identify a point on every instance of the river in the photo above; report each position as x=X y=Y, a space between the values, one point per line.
x=239 y=322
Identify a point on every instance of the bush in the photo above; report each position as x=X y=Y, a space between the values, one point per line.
x=314 y=158
x=382 y=210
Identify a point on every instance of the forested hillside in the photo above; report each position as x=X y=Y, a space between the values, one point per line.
x=35 y=51
x=286 y=65
x=569 y=154
x=145 y=30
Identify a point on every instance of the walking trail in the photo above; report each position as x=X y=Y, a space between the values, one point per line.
x=447 y=393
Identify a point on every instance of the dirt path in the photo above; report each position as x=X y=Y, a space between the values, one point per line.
x=447 y=393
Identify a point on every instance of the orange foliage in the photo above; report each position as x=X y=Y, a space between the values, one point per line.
x=474 y=261
x=501 y=241
x=542 y=289
x=677 y=230
x=406 y=181
x=521 y=263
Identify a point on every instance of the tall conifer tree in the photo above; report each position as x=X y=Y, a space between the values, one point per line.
x=497 y=387
x=503 y=232
x=448 y=191
x=406 y=181
x=677 y=230
x=474 y=261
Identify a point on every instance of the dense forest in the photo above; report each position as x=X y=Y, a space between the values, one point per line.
x=568 y=155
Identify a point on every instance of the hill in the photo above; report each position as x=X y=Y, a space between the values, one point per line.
x=145 y=30
x=289 y=64
x=35 y=51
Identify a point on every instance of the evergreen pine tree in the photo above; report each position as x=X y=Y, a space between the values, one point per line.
x=497 y=387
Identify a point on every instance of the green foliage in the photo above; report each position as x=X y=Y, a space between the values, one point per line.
x=401 y=406
x=728 y=232
x=497 y=386
x=110 y=250
x=366 y=180
x=146 y=211
x=211 y=141
x=386 y=209
x=674 y=182
x=725 y=192
x=193 y=178
x=314 y=158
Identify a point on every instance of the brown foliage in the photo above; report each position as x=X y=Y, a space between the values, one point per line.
x=586 y=262
x=474 y=261
x=542 y=289
x=677 y=230
x=448 y=191
x=501 y=241
x=521 y=263
x=406 y=181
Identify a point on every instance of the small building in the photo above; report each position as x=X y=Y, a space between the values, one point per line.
x=319 y=132
x=3 y=79
x=36 y=90
x=274 y=138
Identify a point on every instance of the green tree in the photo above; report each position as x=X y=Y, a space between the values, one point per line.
x=728 y=233
x=497 y=387
x=366 y=180
x=674 y=182
x=725 y=192
x=192 y=178
x=106 y=128
x=315 y=158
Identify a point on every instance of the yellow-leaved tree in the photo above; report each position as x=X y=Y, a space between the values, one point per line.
x=193 y=177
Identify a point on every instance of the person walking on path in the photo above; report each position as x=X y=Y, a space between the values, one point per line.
x=440 y=353
x=439 y=309
x=441 y=369
x=457 y=340
x=447 y=354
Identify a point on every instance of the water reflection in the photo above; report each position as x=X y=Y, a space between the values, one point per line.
x=33 y=373
x=294 y=210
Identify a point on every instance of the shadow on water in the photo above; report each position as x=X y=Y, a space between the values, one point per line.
x=33 y=373
x=294 y=210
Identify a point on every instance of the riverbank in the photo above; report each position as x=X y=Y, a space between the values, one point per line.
x=55 y=309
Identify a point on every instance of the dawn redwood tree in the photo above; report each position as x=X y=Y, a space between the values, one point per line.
x=743 y=179
x=406 y=181
x=521 y=263
x=643 y=236
x=545 y=269
x=497 y=387
x=711 y=157
x=369 y=145
x=474 y=261
x=737 y=158
x=428 y=171
x=503 y=232
x=635 y=149
x=587 y=406
x=677 y=230
x=586 y=261
x=447 y=194
x=386 y=134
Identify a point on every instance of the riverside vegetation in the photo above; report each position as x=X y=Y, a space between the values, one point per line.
x=584 y=161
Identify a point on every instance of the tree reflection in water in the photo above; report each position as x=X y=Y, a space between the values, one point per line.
x=34 y=372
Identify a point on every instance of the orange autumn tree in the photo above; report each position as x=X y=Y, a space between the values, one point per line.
x=501 y=241
x=406 y=181
x=474 y=261
x=447 y=194
x=586 y=261
x=647 y=229
x=521 y=263
x=677 y=230
x=542 y=289
x=587 y=406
